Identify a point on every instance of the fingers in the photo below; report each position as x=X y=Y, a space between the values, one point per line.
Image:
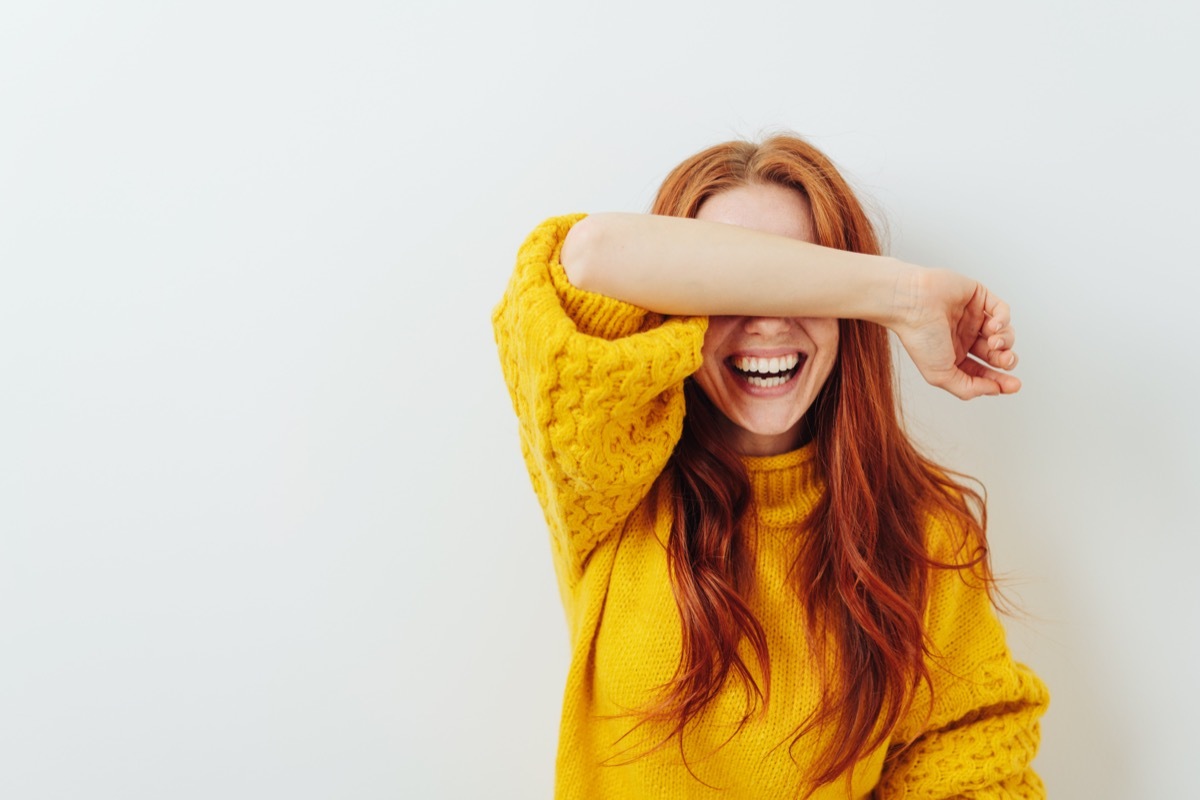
x=996 y=339
x=998 y=312
x=995 y=350
x=987 y=380
x=1002 y=339
x=971 y=379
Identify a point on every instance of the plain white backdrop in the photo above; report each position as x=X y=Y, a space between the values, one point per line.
x=264 y=527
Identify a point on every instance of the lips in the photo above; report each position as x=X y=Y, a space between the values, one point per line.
x=766 y=372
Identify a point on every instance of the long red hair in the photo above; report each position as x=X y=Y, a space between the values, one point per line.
x=863 y=566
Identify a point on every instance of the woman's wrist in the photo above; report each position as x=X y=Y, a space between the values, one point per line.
x=894 y=292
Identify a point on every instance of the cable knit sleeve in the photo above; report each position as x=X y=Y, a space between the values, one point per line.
x=597 y=386
x=981 y=733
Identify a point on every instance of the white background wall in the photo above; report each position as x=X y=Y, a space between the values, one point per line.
x=264 y=528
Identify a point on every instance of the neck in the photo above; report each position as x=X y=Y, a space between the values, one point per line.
x=749 y=443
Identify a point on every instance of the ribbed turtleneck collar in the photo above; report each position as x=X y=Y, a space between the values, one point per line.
x=786 y=486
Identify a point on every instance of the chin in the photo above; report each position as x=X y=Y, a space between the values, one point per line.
x=773 y=428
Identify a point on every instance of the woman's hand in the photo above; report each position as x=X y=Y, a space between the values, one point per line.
x=943 y=319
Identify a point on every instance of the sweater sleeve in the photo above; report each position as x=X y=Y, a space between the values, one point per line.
x=597 y=386
x=980 y=733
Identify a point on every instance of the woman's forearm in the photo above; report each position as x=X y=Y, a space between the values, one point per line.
x=695 y=267
x=687 y=266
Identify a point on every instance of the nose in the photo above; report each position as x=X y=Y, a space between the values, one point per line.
x=767 y=326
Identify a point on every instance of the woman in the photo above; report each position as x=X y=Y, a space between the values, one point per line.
x=772 y=595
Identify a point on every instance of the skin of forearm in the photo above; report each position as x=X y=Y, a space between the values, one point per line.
x=681 y=266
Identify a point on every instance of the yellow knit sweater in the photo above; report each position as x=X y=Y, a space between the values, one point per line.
x=597 y=385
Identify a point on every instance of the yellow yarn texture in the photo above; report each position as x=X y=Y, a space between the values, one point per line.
x=597 y=386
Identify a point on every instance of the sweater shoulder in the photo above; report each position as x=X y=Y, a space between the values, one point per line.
x=597 y=387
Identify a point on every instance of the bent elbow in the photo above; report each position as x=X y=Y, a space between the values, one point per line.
x=580 y=251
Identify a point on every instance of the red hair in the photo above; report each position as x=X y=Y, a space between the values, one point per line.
x=863 y=567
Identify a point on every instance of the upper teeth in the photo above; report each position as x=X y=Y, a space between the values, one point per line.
x=767 y=365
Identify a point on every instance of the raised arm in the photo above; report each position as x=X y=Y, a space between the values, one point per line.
x=597 y=386
x=673 y=265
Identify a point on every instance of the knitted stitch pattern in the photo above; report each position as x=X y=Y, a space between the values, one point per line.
x=597 y=386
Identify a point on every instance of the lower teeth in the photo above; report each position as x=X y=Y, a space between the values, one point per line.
x=775 y=380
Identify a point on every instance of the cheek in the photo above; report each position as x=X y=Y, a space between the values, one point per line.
x=824 y=334
x=709 y=374
x=718 y=331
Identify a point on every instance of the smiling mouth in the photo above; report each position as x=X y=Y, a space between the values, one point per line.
x=766 y=373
